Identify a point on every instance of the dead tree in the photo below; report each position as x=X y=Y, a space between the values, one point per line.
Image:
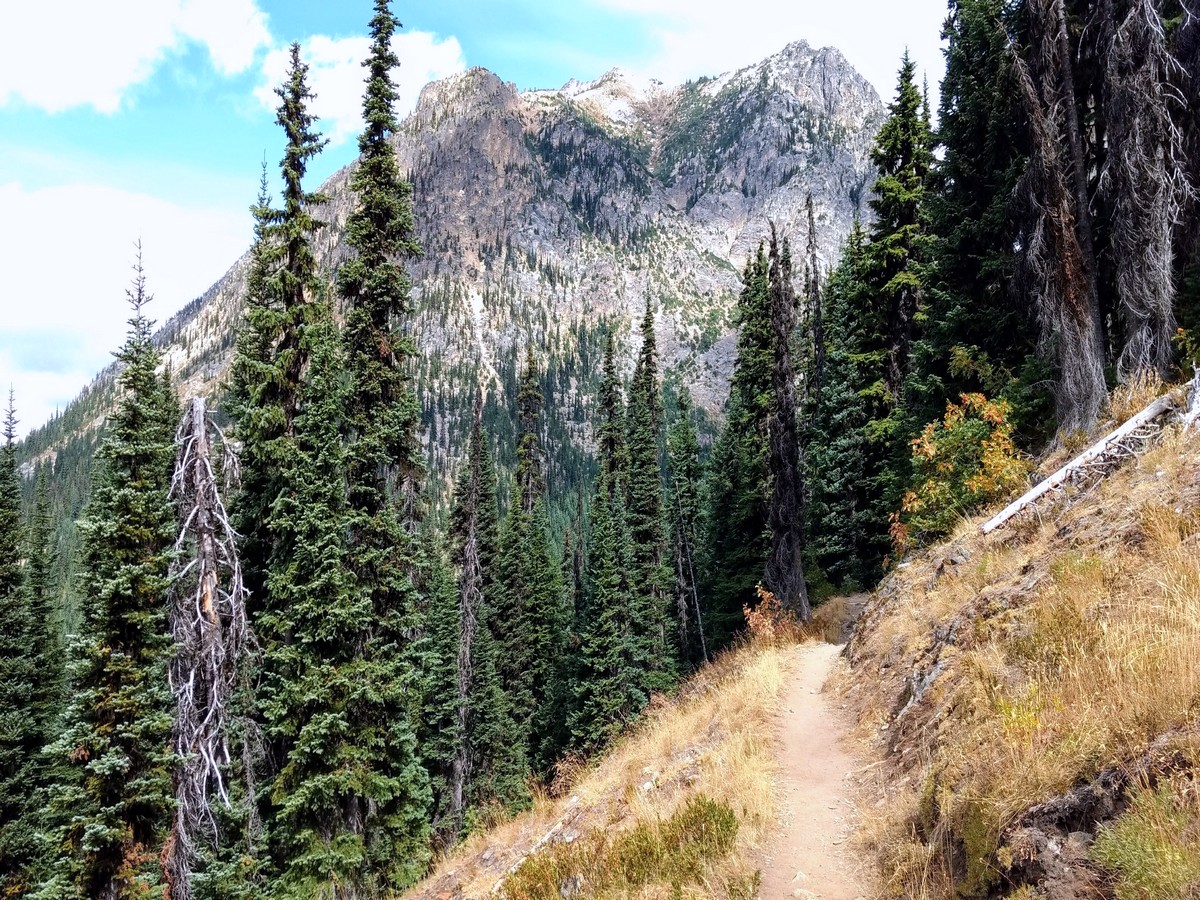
x=784 y=576
x=1145 y=176
x=211 y=634
x=1057 y=258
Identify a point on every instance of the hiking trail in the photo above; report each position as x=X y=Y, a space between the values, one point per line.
x=811 y=856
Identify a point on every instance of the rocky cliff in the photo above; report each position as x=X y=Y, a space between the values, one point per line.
x=551 y=216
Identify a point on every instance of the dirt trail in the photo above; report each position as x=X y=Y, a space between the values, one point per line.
x=810 y=855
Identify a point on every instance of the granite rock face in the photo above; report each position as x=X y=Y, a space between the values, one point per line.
x=552 y=216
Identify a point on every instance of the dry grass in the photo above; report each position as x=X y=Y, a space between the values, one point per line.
x=714 y=740
x=1130 y=399
x=1076 y=644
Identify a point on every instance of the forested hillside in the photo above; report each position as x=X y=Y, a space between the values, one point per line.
x=515 y=422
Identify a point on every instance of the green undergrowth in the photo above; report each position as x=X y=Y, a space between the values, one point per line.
x=675 y=853
x=1153 y=850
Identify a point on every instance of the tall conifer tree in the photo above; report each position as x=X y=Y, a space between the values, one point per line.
x=385 y=473
x=737 y=536
x=113 y=802
x=530 y=620
x=20 y=730
x=644 y=501
x=784 y=573
x=683 y=454
x=609 y=688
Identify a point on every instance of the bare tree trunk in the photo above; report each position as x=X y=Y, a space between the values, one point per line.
x=784 y=576
x=1058 y=260
x=208 y=623
x=1145 y=176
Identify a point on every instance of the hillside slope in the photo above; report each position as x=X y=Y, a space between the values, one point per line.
x=1036 y=695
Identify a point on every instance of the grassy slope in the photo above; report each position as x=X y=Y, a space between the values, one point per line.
x=1058 y=657
x=680 y=807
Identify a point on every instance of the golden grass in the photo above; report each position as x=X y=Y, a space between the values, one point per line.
x=1092 y=655
x=715 y=740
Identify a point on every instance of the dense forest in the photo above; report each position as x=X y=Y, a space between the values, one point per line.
x=271 y=660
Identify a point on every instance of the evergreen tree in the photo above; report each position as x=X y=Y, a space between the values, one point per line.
x=384 y=475
x=255 y=402
x=114 y=800
x=272 y=354
x=784 y=573
x=902 y=154
x=529 y=625
x=737 y=537
x=644 y=503
x=21 y=732
x=847 y=544
x=978 y=332
x=609 y=683
x=683 y=453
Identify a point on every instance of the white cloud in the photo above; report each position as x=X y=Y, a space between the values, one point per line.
x=86 y=53
x=337 y=77
x=66 y=252
x=703 y=37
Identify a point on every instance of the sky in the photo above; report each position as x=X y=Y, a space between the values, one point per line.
x=149 y=120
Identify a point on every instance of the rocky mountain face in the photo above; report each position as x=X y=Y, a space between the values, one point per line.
x=553 y=216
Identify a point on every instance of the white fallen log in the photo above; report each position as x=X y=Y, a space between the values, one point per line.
x=1191 y=416
x=1083 y=462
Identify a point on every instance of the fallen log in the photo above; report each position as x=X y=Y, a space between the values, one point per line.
x=1113 y=444
x=1191 y=416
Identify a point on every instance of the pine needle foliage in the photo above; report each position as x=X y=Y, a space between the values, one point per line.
x=113 y=801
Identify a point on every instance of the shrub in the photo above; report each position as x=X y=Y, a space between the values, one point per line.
x=769 y=622
x=1154 y=848
x=961 y=462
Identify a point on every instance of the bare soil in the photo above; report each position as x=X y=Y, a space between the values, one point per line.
x=811 y=856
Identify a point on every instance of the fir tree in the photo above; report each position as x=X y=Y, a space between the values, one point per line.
x=609 y=687
x=683 y=453
x=902 y=154
x=784 y=573
x=530 y=623
x=44 y=642
x=114 y=800
x=470 y=720
x=644 y=503
x=20 y=731
x=846 y=540
x=384 y=476
x=978 y=332
x=255 y=403
x=737 y=537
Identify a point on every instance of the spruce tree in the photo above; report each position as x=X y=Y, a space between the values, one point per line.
x=644 y=502
x=609 y=688
x=977 y=331
x=481 y=764
x=384 y=475
x=683 y=454
x=784 y=572
x=530 y=619
x=902 y=154
x=255 y=403
x=20 y=731
x=737 y=536
x=114 y=798
x=845 y=537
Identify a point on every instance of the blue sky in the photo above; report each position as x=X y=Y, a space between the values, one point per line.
x=148 y=119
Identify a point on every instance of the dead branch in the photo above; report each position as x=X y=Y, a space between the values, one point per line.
x=209 y=626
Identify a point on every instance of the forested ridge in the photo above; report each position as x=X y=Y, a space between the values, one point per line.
x=275 y=643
